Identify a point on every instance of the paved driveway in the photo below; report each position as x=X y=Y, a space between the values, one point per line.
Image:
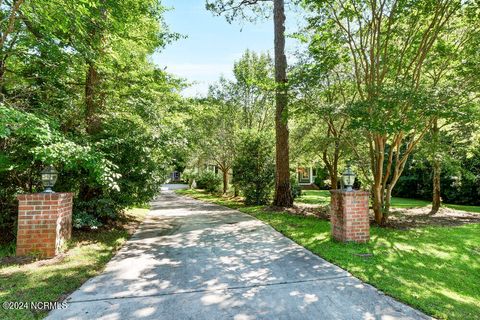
x=192 y=260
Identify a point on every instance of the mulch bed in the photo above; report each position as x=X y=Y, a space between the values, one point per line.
x=421 y=217
x=401 y=219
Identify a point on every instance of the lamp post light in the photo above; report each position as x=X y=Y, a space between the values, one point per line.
x=49 y=177
x=348 y=177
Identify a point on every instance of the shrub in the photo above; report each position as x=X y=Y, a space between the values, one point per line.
x=460 y=179
x=295 y=186
x=188 y=176
x=254 y=168
x=209 y=181
x=82 y=219
x=322 y=180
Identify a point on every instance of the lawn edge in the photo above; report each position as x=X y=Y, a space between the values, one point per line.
x=417 y=308
x=130 y=228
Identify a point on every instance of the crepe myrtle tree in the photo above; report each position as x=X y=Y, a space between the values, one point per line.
x=250 y=10
x=388 y=44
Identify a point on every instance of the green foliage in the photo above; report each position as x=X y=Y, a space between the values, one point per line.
x=460 y=179
x=29 y=142
x=79 y=91
x=254 y=167
x=240 y=9
x=243 y=103
x=250 y=94
x=208 y=181
x=400 y=88
x=82 y=219
x=188 y=176
x=321 y=179
x=7 y=249
x=296 y=189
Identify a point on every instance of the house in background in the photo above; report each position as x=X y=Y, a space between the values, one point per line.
x=175 y=176
x=306 y=177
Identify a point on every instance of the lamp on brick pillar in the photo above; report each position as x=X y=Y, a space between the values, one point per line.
x=49 y=177
x=348 y=178
x=44 y=219
x=349 y=211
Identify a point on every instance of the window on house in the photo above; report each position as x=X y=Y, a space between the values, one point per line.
x=303 y=175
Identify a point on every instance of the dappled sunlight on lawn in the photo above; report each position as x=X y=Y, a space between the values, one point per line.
x=210 y=260
x=50 y=279
x=314 y=197
x=432 y=268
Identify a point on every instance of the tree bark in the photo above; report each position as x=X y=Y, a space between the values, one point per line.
x=387 y=204
x=91 y=99
x=94 y=97
x=378 y=204
x=378 y=157
x=283 y=193
x=332 y=169
x=225 y=181
x=11 y=22
x=436 y=197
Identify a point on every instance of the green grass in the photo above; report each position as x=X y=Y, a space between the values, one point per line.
x=475 y=209
x=322 y=197
x=7 y=249
x=87 y=255
x=434 y=269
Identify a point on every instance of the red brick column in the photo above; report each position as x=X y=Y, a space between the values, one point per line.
x=349 y=215
x=44 y=222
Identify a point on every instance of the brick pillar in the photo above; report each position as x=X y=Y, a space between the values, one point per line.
x=44 y=222
x=349 y=215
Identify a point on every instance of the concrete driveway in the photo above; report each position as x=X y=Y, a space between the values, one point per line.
x=193 y=260
x=174 y=186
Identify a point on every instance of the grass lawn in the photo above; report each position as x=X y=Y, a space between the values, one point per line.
x=7 y=250
x=322 y=197
x=434 y=269
x=50 y=280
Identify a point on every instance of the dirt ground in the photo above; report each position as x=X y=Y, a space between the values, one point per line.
x=402 y=218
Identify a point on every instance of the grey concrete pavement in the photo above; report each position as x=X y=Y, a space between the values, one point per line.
x=193 y=260
x=174 y=186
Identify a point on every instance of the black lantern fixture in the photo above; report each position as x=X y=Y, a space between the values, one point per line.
x=348 y=177
x=49 y=177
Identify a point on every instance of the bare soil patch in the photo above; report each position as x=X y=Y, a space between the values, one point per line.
x=400 y=218
x=421 y=217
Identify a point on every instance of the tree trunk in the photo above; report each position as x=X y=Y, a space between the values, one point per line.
x=3 y=89
x=94 y=96
x=436 y=198
x=377 y=158
x=332 y=169
x=387 y=204
x=283 y=193
x=91 y=99
x=378 y=203
x=225 y=181
x=333 y=175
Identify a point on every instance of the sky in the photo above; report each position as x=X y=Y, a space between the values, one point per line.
x=211 y=45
